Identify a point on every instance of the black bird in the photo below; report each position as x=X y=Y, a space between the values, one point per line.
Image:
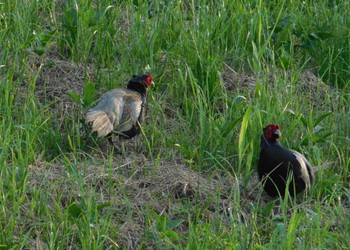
x=121 y=110
x=277 y=164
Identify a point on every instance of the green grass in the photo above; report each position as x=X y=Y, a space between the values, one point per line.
x=223 y=70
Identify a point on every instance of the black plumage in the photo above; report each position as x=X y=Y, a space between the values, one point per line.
x=277 y=164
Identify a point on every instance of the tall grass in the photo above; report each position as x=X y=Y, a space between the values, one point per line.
x=193 y=114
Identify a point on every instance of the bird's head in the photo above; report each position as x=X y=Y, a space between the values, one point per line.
x=272 y=132
x=146 y=79
x=140 y=83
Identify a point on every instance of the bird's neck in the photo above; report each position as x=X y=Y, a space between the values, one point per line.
x=268 y=142
x=138 y=87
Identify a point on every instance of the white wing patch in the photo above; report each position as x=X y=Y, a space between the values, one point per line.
x=303 y=168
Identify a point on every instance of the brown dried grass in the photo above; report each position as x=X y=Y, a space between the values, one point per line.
x=307 y=83
x=133 y=185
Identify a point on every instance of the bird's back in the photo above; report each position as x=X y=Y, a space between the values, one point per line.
x=121 y=106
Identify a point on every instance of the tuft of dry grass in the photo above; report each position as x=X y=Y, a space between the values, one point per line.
x=133 y=186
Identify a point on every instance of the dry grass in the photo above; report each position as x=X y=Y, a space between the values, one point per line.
x=132 y=185
x=56 y=78
x=307 y=83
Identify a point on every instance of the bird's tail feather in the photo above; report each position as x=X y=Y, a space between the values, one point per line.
x=100 y=122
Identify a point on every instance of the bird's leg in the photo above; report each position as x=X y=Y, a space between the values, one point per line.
x=115 y=146
x=110 y=140
x=123 y=147
x=136 y=144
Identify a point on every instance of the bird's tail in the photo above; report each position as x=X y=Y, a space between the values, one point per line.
x=100 y=122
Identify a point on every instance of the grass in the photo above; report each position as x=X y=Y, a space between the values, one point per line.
x=223 y=70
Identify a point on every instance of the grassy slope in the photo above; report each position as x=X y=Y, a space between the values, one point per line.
x=57 y=191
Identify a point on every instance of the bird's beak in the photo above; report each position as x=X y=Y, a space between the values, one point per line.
x=152 y=83
x=277 y=132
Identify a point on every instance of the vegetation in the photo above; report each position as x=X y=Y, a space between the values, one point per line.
x=223 y=70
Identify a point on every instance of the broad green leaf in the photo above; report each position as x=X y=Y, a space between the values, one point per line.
x=320 y=138
x=45 y=37
x=293 y=228
x=70 y=22
x=89 y=94
x=102 y=206
x=228 y=126
x=186 y=151
x=321 y=118
x=74 y=211
x=171 y=224
x=242 y=132
x=324 y=35
x=303 y=121
x=100 y=14
x=75 y=97
x=258 y=89
x=39 y=51
x=255 y=52
x=282 y=23
x=319 y=35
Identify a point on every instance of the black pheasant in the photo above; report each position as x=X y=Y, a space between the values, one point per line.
x=121 y=110
x=277 y=164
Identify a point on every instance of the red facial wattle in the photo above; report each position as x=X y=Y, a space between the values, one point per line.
x=149 y=80
x=272 y=131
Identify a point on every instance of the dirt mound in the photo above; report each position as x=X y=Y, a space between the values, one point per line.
x=55 y=78
x=136 y=188
x=306 y=83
